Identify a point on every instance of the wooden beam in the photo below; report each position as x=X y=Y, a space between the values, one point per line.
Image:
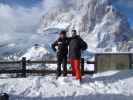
x=32 y=71
x=24 y=67
x=10 y=71
x=24 y=63
x=130 y=61
x=10 y=62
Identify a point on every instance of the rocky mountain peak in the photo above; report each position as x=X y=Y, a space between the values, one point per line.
x=97 y=21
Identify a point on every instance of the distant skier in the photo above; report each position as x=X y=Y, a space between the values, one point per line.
x=61 y=47
x=76 y=45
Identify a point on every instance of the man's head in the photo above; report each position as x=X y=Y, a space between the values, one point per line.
x=36 y=46
x=63 y=34
x=74 y=33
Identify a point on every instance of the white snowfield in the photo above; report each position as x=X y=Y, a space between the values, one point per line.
x=112 y=85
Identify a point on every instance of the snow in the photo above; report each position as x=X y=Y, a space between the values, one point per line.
x=35 y=53
x=57 y=25
x=111 y=85
x=98 y=22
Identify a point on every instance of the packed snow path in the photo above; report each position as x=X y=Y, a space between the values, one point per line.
x=102 y=86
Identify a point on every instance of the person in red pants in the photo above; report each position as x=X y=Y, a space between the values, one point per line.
x=76 y=45
x=75 y=63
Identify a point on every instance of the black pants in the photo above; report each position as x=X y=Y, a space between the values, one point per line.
x=62 y=60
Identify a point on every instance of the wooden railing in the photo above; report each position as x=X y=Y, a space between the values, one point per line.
x=22 y=69
x=103 y=62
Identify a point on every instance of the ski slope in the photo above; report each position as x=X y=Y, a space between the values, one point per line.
x=112 y=85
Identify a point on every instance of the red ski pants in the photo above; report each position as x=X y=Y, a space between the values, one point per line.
x=75 y=64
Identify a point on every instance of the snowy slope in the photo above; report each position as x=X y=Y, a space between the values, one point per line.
x=111 y=85
x=15 y=49
x=97 y=21
x=36 y=53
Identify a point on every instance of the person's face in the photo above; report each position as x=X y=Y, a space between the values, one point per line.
x=73 y=33
x=62 y=36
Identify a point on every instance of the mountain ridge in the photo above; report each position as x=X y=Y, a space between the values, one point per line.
x=91 y=18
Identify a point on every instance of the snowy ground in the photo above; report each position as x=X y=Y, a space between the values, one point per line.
x=112 y=85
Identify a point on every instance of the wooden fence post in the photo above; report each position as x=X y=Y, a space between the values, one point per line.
x=24 y=67
x=82 y=66
x=96 y=65
x=130 y=61
x=4 y=96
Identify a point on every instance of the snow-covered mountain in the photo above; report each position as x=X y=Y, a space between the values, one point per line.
x=36 y=53
x=25 y=47
x=97 y=21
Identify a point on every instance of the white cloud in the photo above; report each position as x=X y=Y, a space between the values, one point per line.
x=48 y=4
x=18 y=20
x=18 y=25
x=15 y=21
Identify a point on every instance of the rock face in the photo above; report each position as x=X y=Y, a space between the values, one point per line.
x=97 y=21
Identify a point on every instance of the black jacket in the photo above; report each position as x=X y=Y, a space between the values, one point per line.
x=62 y=45
x=76 y=45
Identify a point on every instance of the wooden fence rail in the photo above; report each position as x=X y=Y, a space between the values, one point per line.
x=103 y=62
x=23 y=68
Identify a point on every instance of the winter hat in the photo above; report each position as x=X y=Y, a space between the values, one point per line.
x=63 y=32
x=74 y=32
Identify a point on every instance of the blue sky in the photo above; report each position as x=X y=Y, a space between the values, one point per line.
x=125 y=6
x=25 y=3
